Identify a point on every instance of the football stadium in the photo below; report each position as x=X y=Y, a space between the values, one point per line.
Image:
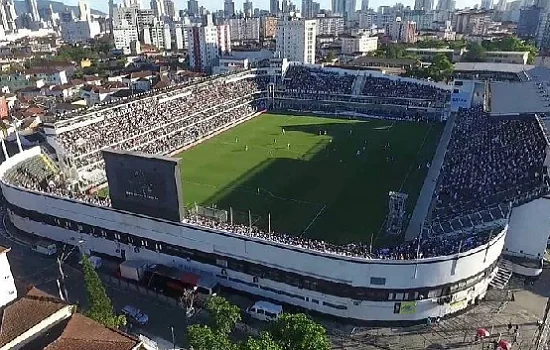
x=348 y=193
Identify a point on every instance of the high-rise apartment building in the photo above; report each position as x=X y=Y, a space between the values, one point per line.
x=310 y=9
x=446 y=5
x=426 y=5
x=330 y=25
x=192 y=7
x=32 y=8
x=274 y=7
x=158 y=8
x=83 y=11
x=296 y=39
x=244 y=29
x=206 y=44
x=402 y=31
x=169 y=9
x=248 y=8
x=7 y=12
x=529 y=21
x=365 y=6
x=268 y=27
x=486 y=4
x=228 y=8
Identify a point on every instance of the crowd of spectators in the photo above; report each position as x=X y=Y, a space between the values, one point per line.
x=34 y=174
x=316 y=80
x=383 y=87
x=490 y=161
x=128 y=126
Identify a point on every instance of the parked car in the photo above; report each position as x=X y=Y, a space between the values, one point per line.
x=45 y=248
x=135 y=315
x=265 y=311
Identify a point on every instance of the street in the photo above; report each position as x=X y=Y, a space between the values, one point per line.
x=31 y=268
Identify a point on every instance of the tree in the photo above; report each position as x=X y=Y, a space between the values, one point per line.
x=224 y=314
x=264 y=342
x=331 y=56
x=299 y=332
x=204 y=338
x=100 y=308
x=475 y=53
x=441 y=68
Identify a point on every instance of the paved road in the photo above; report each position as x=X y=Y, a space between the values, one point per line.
x=30 y=268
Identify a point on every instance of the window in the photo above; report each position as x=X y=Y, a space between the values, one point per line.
x=378 y=281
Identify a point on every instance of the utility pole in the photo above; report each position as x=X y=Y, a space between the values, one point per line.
x=544 y=330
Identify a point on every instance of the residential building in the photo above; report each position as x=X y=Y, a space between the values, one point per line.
x=41 y=321
x=178 y=38
x=169 y=9
x=32 y=8
x=296 y=39
x=486 y=4
x=338 y=7
x=84 y=11
x=364 y=5
x=274 y=7
x=231 y=64
x=8 y=15
x=368 y=19
x=472 y=22
x=446 y=5
x=207 y=43
x=424 y=19
x=529 y=20
x=513 y=57
x=192 y=8
x=124 y=36
x=8 y=292
x=330 y=25
x=228 y=8
x=310 y=9
x=157 y=35
x=248 y=8
x=361 y=44
x=243 y=29
x=426 y=5
x=350 y=7
x=145 y=17
x=158 y=9
x=268 y=27
x=402 y=31
x=50 y=76
x=79 y=31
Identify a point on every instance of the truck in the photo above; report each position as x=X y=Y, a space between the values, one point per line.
x=45 y=248
x=132 y=269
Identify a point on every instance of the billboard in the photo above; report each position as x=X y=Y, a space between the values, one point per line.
x=144 y=184
x=405 y=308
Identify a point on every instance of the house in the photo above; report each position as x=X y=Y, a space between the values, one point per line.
x=8 y=292
x=92 y=80
x=52 y=76
x=142 y=84
x=41 y=321
x=93 y=94
x=62 y=91
x=30 y=92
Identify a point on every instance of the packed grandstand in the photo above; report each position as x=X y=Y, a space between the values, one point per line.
x=489 y=163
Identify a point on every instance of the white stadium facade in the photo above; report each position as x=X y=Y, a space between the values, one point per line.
x=327 y=280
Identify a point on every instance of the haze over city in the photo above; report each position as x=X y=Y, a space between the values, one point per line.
x=102 y=5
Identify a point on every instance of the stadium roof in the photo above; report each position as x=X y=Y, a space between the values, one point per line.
x=492 y=67
x=518 y=98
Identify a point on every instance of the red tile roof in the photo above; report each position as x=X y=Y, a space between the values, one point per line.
x=83 y=333
x=25 y=313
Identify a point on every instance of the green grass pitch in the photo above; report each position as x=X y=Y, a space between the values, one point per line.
x=332 y=187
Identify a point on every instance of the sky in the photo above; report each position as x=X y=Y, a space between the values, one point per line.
x=262 y=4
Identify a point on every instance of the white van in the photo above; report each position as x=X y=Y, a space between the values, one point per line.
x=265 y=311
x=44 y=248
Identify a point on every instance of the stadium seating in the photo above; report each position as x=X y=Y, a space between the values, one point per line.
x=490 y=162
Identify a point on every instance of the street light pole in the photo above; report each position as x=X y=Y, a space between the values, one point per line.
x=173 y=338
x=61 y=285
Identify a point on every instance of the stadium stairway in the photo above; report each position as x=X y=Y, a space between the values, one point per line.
x=358 y=83
x=49 y=163
x=503 y=274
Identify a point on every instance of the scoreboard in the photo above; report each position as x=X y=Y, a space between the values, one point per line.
x=144 y=184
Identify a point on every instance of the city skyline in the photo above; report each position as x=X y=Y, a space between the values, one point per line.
x=102 y=5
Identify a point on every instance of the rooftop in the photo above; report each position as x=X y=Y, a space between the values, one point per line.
x=491 y=67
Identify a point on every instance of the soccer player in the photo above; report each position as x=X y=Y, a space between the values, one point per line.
x=288 y=145
x=274 y=141
x=246 y=147
x=283 y=131
x=236 y=139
